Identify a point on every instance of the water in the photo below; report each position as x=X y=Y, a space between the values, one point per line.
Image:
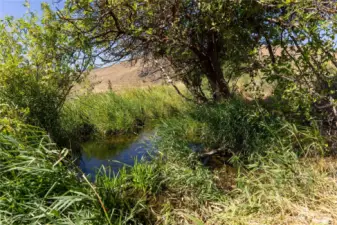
x=114 y=153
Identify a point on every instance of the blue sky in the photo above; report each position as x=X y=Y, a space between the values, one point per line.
x=15 y=7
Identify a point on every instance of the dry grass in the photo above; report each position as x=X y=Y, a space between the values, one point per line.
x=266 y=205
x=284 y=181
x=117 y=77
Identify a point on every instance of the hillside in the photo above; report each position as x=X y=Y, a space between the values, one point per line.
x=123 y=75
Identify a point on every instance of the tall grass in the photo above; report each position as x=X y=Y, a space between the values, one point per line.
x=278 y=188
x=274 y=180
x=41 y=185
x=110 y=113
x=271 y=174
x=36 y=185
x=233 y=127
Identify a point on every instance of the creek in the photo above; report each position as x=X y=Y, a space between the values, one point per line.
x=115 y=152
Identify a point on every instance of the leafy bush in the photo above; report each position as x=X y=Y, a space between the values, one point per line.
x=304 y=70
x=38 y=66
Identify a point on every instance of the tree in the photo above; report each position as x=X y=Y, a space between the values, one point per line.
x=194 y=38
x=38 y=66
x=305 y=70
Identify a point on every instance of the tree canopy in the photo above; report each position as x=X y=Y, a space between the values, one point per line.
x=305 y=70
x=194 y=38
x=197 y=40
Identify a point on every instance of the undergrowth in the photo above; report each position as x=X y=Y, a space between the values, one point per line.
x=277 y=179
x=275 y=166
x=37 y=187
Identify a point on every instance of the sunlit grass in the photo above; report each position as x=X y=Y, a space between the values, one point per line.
x=110 y=113
x=272 y=172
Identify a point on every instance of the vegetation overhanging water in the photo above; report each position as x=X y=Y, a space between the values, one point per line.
x=115 y=152
x=258 y=93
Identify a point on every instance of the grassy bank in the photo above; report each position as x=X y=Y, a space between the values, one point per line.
x=253 y=142
x=264 y=171
x=267 y=171
x=109 y=113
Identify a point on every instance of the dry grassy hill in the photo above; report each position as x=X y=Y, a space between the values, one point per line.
x=117 y=77
x=126 y=75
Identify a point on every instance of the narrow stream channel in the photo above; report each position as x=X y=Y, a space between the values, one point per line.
x=115 y=152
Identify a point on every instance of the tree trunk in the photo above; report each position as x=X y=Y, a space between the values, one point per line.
x=215 y=77
x=211 y=67
x=195 y=90
x=218 y=85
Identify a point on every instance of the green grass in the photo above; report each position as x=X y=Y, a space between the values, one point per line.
x=270 y=187
x=233 y=126
x=126 y=112
x=270 y=172
x=276 y=175
x=36 y=185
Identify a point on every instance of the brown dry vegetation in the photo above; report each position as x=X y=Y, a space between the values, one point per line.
x=124 y=75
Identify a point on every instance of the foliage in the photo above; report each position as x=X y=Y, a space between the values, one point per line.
x=271 y=182
x=192 y=38
x=254 y=166
x=40 y=186
x=38 y=65
x=305 y=68
x=197 y=40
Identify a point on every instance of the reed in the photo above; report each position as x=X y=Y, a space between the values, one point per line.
x=126 y=112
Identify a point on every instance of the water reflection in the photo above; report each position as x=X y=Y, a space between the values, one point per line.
x=114 y=153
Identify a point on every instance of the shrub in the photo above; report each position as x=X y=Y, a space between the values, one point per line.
x=38 y=67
